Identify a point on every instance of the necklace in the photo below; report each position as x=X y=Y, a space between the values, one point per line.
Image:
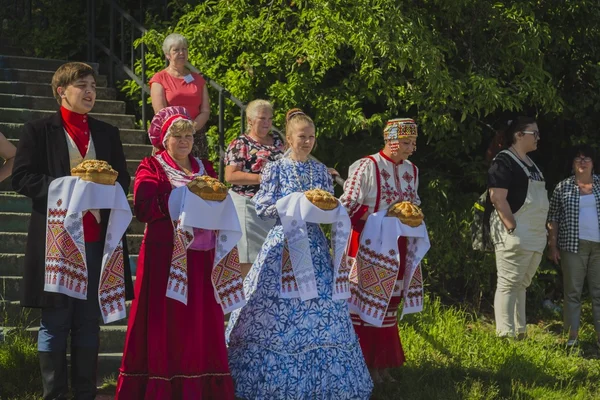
x=261 y=141
x=516 y=153
x=176 y=72
x=297 y=174
x=184 y=169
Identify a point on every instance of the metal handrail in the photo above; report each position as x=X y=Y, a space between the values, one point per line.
x=129 y=69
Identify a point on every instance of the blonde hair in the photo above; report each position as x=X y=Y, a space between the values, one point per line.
x=67 y=74
x=181 y=126
x=296 y=116
x=172 y=40
x=252 y=110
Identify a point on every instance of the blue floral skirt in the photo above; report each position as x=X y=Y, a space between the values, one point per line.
x=282 y=348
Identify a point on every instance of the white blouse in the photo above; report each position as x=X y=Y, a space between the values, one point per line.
x=588 y=219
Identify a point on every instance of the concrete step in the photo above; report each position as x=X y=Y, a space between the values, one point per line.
x=14 y=242
x=132 y=151
x=22 y=115
x=36 y=76
x=19 y=222
x=13 y=222
x=41 y=64
x=112 y=337
x=11 y=285
x=11 y=50
x=6 y=185
x=11 y=264
x=45 y=89
x=12 y=202
x=49 y=103
x=128 y=136
x=12 y=314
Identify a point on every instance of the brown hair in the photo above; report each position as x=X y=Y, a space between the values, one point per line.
x=68 y=73
x=294 y=116
x=506 y=137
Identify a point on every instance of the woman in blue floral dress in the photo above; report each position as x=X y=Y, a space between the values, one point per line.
x=287 y=348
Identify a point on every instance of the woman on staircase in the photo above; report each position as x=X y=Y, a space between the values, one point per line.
x=245 y=159
x=176 y=85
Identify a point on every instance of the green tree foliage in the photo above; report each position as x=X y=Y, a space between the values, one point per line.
x=461 y=68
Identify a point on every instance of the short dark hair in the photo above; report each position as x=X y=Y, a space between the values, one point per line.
x=514 y=126
x=505 y=138
x=584 y=150
x=68 y=73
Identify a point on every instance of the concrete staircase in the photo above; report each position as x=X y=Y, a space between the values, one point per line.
x=25 y=94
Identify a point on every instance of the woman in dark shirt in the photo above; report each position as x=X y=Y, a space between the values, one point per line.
x=517 y=224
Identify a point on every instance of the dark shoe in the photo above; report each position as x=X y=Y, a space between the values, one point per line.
x=84 y=365
x=54 y=374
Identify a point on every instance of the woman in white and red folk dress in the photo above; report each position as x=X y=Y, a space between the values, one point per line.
x=375 y=183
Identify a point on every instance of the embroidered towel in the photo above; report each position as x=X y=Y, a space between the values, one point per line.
x=295 y=210
x=375 y=272
x=189 y=211
x=66 y=270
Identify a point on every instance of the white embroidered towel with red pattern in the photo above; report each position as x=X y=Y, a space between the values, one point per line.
x=189 y=211
x=375 y=272
x=295 y=210
x=66 y=269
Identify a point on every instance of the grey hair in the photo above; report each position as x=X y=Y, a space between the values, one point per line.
x=171 y=40
x=253 y=107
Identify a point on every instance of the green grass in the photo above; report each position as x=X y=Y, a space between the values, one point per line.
x=19 y=367
x=453 y=355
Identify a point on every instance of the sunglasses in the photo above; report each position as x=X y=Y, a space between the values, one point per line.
x=536 y=134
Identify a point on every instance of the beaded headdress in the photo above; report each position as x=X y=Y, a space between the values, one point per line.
x=400 y=128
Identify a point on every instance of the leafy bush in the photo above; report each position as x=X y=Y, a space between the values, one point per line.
x=460 y=68
x=52 y=32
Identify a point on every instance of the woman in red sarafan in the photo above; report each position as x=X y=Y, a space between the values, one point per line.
x=172 y=350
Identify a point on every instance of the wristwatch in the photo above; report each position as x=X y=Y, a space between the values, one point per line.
x=510 y=231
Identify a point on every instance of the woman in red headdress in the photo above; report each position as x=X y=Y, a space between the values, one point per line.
x=172 y=350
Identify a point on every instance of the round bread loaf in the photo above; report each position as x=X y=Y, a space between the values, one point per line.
x=97 y=171
x=407 y=213
x=322 y=199
x=208 y=188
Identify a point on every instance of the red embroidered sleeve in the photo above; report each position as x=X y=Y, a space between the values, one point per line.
x=354 y=190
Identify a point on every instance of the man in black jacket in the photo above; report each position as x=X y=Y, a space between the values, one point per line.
x=48 y=149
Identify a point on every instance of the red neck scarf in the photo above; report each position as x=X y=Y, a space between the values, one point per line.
x=78 y=129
